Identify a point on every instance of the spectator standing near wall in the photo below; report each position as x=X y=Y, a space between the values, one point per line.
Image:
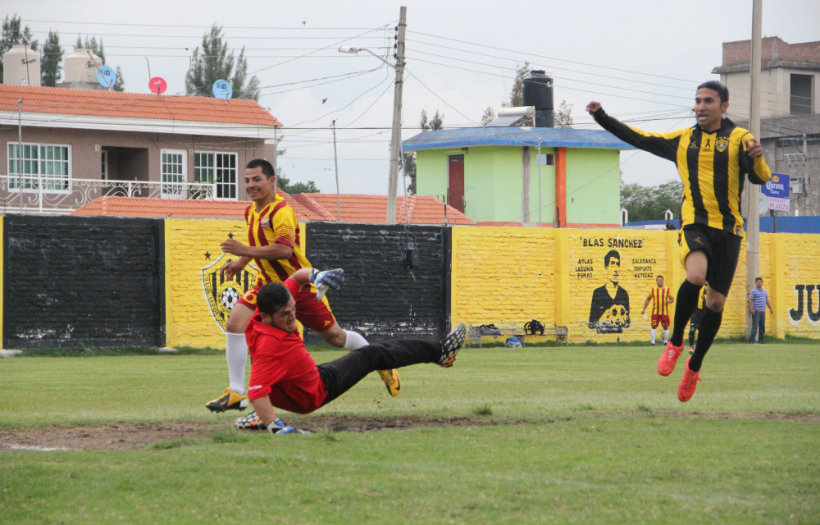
x=758 y=301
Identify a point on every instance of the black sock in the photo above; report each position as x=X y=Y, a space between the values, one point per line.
x=687 y=299
x=691 y=335
x=707 y=331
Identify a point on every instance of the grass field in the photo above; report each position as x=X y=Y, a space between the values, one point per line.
x=533 y=435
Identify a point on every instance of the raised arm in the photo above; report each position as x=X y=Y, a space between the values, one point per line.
x=664 y=145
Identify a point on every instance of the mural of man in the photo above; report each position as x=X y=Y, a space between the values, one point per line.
x=609 y=309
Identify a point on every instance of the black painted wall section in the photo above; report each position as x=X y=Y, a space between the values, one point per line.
x=83 y=281
x=396 y=277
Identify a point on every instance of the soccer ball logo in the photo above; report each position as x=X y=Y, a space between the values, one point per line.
x=615 y=316
x=229 y=297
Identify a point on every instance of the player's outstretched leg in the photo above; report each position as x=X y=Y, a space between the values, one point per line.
x=451 y=344
x=357 y=339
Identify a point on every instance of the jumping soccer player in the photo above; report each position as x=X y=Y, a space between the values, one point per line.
x=284 y=375
x=661 y=299
x=713 y=159
x=275 y=244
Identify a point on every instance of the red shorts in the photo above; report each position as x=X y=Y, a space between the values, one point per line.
x=314 y=314
x=662 y=319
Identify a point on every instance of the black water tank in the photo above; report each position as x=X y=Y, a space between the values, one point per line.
x=538 y=92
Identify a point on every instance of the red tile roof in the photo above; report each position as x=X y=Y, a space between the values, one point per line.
x=134 y=105
x=370 y=209
x=181 y=208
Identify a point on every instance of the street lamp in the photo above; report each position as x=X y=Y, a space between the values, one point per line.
x=392 y=186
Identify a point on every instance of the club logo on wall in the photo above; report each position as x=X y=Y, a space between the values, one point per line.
x=221 y=293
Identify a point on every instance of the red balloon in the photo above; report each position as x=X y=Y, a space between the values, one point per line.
x=157 y=85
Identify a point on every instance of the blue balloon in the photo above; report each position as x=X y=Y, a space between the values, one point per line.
x=106 y=76
x=222 y=89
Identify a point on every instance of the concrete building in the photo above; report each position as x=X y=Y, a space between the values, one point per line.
x=789 y=112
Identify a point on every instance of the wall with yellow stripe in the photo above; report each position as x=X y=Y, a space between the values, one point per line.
x=508 y=276
x=192 y=253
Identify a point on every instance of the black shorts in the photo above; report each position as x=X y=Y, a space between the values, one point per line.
x=722 y=250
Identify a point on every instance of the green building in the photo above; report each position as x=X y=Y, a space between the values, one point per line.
x=553 y=176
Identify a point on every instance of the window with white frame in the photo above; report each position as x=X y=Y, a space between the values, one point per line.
x=211 y=167
x=32 y=164
x=173 y=173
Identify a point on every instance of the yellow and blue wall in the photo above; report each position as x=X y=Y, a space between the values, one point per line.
x=80 y=281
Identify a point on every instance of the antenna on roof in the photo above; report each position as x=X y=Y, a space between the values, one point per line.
x=107 y=77
x=222 y=89
x=157 y=85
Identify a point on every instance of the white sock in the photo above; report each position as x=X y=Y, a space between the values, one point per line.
x=653 y=331
x=236 y=353
x=666 y=336
x=354 y=340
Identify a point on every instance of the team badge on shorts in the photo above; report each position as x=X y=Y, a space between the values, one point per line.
x=221 y=293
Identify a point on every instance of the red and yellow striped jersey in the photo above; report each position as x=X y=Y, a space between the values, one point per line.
x=276 y=222
x=660 y=300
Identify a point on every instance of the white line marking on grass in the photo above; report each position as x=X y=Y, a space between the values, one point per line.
x=35 y=448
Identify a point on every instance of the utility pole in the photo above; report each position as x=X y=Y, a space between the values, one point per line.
x=753 y=211
x=336 y=164
x=395 y=139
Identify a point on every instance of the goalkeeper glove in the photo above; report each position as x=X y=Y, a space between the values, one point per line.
x=325 y=280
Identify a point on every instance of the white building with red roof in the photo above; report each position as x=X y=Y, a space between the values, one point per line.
x=63 y=147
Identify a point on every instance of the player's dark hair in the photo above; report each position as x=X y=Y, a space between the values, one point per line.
x=267 y=167
x=272 y=298
x=609 y=255
x=718 y=87
x=661 y=276
x=758 y=279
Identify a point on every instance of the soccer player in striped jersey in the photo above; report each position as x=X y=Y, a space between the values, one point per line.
x=275 y=245
x=713 y=157
x=661 y=298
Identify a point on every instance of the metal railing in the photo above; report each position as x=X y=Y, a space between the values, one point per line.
x=47 y=195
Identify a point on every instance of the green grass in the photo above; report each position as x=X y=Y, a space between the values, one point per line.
x=555 y=435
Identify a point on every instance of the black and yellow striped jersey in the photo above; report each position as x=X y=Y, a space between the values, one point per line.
x=711 y=166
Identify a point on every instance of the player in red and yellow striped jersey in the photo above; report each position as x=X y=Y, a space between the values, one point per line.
x=275 y=244
x=661 y=298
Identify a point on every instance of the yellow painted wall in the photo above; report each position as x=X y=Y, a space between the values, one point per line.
x=507 y=276
x=194 y=314
x=503 y=275
x=191 y=253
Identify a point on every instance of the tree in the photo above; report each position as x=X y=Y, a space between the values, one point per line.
x=517 y=91
x=437 y=122
x=12 y=35
x=409 y=166
x=99 y=50
x=488 y=116
x=284 y=184
x=409 y=159
x=214 y=62
x=52 y=60
x=646 y=203
x=563 y=117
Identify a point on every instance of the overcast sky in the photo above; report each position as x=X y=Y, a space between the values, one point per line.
x=641 y=58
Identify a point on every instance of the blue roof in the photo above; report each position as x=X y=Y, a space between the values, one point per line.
x=513 y=136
